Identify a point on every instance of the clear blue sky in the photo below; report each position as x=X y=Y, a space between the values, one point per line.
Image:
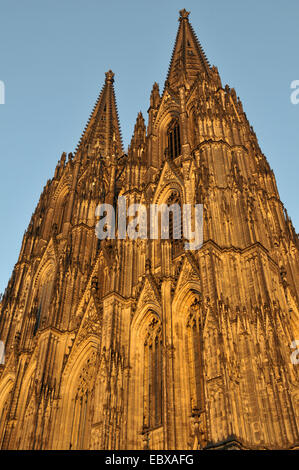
x=53 y=56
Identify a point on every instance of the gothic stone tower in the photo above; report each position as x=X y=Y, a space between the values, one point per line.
x=135 y=344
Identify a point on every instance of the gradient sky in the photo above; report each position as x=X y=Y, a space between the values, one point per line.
x=53 y=56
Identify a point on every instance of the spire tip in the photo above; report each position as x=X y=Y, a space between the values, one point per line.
x=109 y=76
x=184 y=14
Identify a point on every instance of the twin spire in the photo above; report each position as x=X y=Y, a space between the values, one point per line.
x=188 y=58
x=102 y=133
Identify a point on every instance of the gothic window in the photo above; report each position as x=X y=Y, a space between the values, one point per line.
x=175 y=223
x=60 y=210
x=194 y=357
x=80 y=421
x=62 y=215
x=37 y=320
x=4 y=413
x=152 y=413
x=27 y=425
x=173 y=140
x=194 y=129
x=175 y=227
x=43 y=300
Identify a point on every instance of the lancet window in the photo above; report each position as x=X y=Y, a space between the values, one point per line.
x=153 y=374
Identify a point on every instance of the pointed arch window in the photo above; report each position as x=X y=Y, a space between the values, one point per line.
x=175 y=224
x=4 y=414
x=194 y=357
x=80 y=419
x=63 y=212
x=44 y=297
x=60 y=210
x=152 y=413
x=194 y=136
x=37 y=320
x=173 y=140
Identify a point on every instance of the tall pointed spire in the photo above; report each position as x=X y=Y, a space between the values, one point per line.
x=102 y=133
x=188 y=58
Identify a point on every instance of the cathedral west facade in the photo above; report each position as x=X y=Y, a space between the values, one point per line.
x=141 y=344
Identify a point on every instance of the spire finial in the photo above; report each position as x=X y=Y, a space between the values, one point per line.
x=184 y=14
x=109 y=76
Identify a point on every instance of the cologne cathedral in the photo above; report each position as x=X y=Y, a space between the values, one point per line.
x=141 y=344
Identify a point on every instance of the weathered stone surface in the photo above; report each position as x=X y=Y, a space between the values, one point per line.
x=139 y=344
